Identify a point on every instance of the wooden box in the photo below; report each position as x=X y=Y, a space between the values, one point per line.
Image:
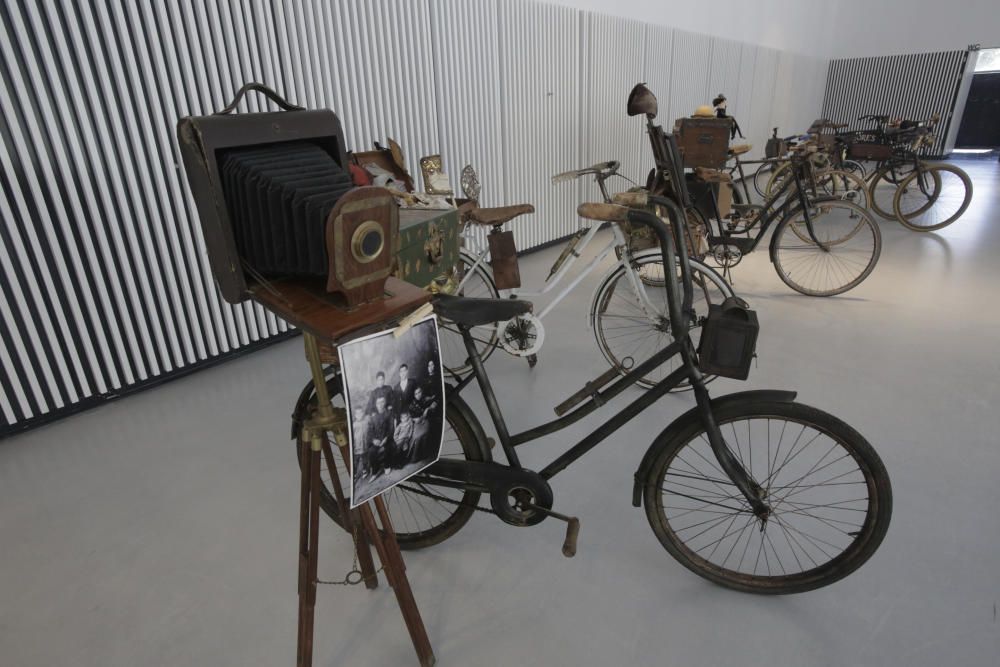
x=428 y=246
x=703 y=142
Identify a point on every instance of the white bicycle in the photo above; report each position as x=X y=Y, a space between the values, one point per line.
x=628 y=312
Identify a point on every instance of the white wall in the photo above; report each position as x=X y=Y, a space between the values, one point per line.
x=787 y=25
x=896 y=27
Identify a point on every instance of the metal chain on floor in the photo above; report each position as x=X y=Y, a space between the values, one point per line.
x=355 y=576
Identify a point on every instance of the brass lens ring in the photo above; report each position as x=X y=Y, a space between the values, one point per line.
x=362 y=237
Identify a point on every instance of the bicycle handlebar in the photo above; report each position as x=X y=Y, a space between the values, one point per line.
x=611 y=167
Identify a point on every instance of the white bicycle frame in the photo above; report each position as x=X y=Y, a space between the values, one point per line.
x=618 y=240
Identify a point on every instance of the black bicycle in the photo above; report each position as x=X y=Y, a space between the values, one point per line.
x=822 y=244
x=752 y=490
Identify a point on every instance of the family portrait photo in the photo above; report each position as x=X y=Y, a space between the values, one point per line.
x=394 y=389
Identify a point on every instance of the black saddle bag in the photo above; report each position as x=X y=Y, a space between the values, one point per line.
x=728 y=339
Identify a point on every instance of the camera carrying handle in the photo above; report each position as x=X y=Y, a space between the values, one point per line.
x=263 y=90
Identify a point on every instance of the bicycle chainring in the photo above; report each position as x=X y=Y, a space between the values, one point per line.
x=726 y=256
x=521 y=336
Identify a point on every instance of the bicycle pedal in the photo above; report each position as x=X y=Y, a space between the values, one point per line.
x=572 y=528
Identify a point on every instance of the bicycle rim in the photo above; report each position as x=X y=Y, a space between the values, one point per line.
x=851 y=245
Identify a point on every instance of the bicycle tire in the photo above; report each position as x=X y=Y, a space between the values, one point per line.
x=685 y=484
x=775 y=181
x=631 y=323
x=944 y=196
x=441 y=524
x=453 y=354
x=761 y=177
x=796 y=260
x=881 y=191
x=844 y=185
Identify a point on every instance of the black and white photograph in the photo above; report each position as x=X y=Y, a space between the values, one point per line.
x=394 y=389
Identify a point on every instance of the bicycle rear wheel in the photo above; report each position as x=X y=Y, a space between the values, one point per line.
x=932 y=197
x=844 y=185
x=881 y=191
x=422 y=514
x=623 y=330
x=829 y=494
x=477 y=283
x=851 y=245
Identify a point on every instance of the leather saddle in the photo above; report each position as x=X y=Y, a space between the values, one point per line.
x=476 y=312
x=493 y=217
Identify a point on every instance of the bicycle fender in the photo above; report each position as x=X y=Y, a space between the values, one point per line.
x=773 y=246
x=692 y=415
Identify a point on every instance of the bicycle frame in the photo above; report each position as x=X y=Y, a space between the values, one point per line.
x=772 y=213
x=483 y=476
x=617 y=240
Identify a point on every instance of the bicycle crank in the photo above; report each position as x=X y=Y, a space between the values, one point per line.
x=572 y=529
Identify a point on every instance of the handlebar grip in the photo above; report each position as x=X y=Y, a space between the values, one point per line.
x=572 y=532
x=602 y=212
x=632 y=199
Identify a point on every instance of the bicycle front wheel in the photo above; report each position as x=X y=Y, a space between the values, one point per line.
x=423 y=514
x=777 y=180
x=932 y=197
x=761 y=178
x=829 y=496
x=844 y=185
x=625 y=334
x=849 y=247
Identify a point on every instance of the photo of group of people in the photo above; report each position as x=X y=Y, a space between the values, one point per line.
x=395 y=397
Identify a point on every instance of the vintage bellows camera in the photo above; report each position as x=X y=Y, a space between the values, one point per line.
x=278 y=205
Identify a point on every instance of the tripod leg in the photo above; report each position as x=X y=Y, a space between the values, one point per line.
x=352 y=520
x=308 y=561
x=404 y=594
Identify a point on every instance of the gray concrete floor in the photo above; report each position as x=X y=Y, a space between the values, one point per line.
x=161 y=529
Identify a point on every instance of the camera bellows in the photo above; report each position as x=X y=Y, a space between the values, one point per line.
x=279 y=198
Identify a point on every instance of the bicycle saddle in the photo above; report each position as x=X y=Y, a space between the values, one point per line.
x=740 y=149
x=498 y=215
x=476 y=312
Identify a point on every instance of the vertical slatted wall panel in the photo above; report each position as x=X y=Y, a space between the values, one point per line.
x=761 y=117
x=742 y=108
x=724 y=73
x=104 y=279
x=539 y=84
x=689 y=76
x=609 y=75
x=467 y=73
x=911 y=86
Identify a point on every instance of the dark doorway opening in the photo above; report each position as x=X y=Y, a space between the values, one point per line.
x=980 y=126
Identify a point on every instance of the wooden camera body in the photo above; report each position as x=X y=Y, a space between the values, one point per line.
x=276 y=200
x=285 y=225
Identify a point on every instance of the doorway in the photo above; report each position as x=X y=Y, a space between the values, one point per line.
x=980 y=126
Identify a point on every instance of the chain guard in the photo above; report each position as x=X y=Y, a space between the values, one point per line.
x=506 y=499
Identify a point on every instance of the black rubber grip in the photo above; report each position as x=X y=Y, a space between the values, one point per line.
x=572 y=532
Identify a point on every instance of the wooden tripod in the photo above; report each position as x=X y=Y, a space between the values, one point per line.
x=360 y=522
